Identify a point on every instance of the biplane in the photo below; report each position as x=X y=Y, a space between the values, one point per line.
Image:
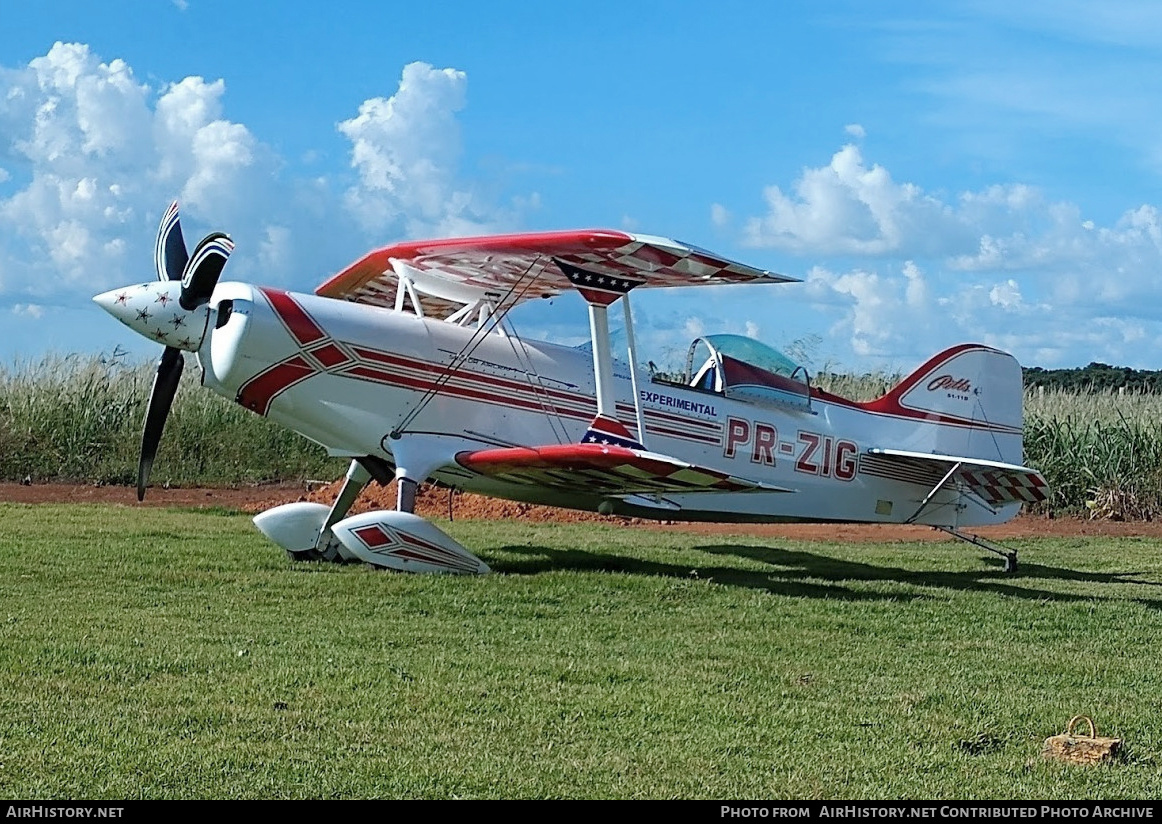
x=404 y=363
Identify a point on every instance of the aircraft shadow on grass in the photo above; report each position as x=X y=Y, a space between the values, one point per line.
x=808 y=574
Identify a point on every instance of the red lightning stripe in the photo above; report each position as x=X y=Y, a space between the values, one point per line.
x=258 y=392
x=300 y=324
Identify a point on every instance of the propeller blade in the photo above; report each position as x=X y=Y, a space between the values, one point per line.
x=165 y=385
x=203 y=269
x=169 y=254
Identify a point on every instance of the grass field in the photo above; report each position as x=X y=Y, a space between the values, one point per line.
x=166 y=653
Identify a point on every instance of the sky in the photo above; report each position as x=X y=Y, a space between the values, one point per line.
x=935 y=173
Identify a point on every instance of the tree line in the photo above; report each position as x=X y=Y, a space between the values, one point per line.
x=1096 y=377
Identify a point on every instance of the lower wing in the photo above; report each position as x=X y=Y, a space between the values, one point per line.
x=607 y=470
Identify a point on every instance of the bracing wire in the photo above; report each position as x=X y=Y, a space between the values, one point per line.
x=478 y=336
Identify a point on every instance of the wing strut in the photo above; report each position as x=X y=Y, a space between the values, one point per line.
x=602 y=360
x=478 y=336
x=599 y=291
x=631 y=345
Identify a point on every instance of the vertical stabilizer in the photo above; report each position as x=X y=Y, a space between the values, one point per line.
x=974 y=392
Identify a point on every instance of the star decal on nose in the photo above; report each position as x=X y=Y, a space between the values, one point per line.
x=143 y=314
x=160 y=334
x=177 y=320
x=163 y=298
x=122 y=298
x=185 y=343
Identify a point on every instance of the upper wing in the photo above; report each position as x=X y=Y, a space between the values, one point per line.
x=507 y=269
x=994 y=482
x=606 y=470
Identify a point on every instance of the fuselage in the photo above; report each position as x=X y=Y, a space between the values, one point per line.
x=363 y=380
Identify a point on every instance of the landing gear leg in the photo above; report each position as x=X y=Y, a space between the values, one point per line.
x=327 y=548
x=405 y=494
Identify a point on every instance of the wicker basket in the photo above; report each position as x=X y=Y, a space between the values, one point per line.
x=1080 y=749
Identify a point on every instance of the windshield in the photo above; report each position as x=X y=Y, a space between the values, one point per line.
x=744 y=368
x=749 y=350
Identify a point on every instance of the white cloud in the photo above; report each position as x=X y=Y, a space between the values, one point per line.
x=1006 y=295
x=406 y=150
x=98 y=154
x=900 y=316
x=1003 y=263
x=855 y=130
x=30 y=310
x=102 y=158
x=848 y=207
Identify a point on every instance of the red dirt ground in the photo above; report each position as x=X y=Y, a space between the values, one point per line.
x=433 y=503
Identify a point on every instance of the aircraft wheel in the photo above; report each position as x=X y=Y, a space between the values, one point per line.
x=304 y=555
x=329 y=553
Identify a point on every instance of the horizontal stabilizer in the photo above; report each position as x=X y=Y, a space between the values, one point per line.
x=994 y=482
x=606 y=470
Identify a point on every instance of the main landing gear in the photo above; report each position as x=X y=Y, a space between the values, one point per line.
x=390 y=539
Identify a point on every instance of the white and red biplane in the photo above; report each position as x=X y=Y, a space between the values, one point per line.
x=403 y=364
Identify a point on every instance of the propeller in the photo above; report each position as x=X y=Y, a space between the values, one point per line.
x=169 y=255
x=198 y=275
x=165 y=386
x=203 y=270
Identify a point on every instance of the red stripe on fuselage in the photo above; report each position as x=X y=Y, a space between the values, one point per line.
x=258 y=392
x=426 y=366
x=391 y=379
x=585 y=404
x=301 y=325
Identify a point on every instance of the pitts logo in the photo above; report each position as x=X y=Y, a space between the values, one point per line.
x=950 y=384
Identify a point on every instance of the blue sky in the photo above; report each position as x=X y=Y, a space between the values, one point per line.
x=936 y=173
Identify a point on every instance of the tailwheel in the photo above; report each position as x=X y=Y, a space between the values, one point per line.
x=1008 y=555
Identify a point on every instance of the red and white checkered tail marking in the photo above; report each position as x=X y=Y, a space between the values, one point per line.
x=608 y=431
x=406 y=543
x=1005 y=486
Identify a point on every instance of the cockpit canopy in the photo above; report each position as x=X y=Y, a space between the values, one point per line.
x=743 y=368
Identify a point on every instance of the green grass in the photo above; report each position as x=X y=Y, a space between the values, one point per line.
x=153 y=653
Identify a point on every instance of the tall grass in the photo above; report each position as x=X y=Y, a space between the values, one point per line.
x=79 y=418
x=858 y=387
x=1100 y=451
